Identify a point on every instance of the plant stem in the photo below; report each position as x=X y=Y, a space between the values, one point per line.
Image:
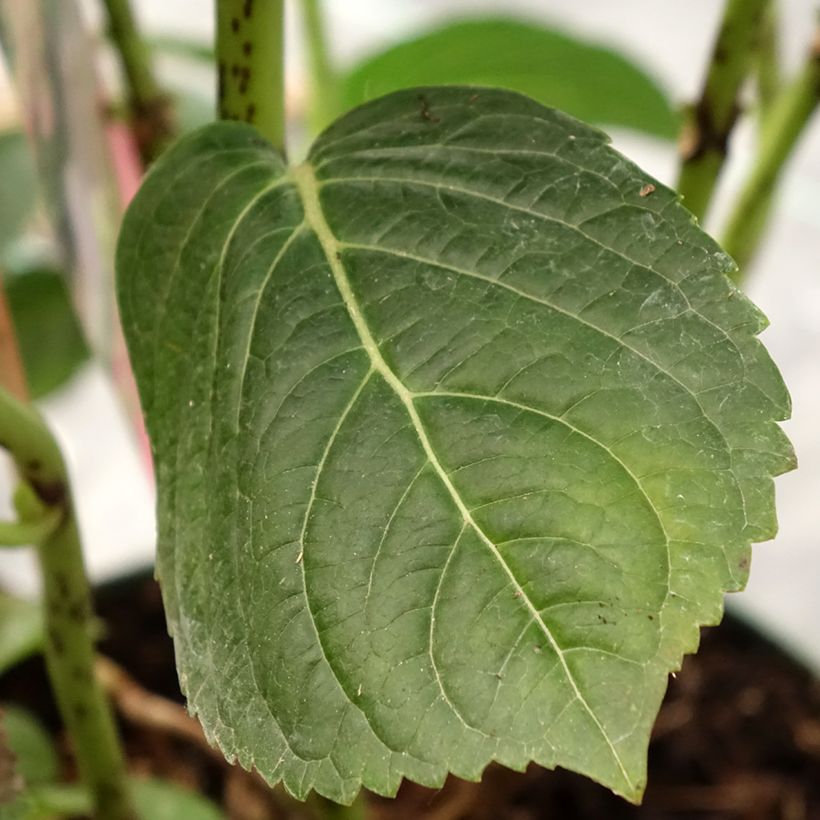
x=706 y=134
x=324 y=95
x=69 y=647
x=250 y=61
x=785 y=122
x=149 y=106
x=768 y=62
x=28 y=533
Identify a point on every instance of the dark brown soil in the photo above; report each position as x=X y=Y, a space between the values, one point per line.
x=738 y=738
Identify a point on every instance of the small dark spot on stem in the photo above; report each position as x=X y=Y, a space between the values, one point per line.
x=81 y=711
x=244 y=80
x=247 y=9
x=52 y=493
x=35 y=465
x=62 y=584
x=221 y=77
x=250 y=113
x=77 y=611
x=80 y=673
x=235 y=25
x=56 y=641
x=651 y=617
x=247 y=48
x=705 y=133
x=235 y=70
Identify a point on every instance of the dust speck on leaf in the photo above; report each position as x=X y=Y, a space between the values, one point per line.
x=426 y=113
x=647 y=190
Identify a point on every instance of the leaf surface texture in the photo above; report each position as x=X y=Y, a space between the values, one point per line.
x=459 y=437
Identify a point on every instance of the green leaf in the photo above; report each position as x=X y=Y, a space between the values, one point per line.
x=460 y=432
x=21 y=630
x=48 y=333
x=18 y=192
x=154 y=800
x=48 y=801
x=160 y=800
x=35 y=758
x=589 y=81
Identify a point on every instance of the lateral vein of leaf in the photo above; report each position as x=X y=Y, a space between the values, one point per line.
x=455 y=710
x=267 y=183
x=280 y=255
x=527 y=409
x=468 y=192
x=309 y=187
x=300 y=557
x=320 y=466
x=552 y=306
x=164 y=301
x=387 y=528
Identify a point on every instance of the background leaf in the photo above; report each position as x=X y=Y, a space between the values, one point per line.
x=460 y=433
x=591 y=82
x=160 y=800
x=48 y=333
x=18 y=192
x=36 y=760
x=21 y=630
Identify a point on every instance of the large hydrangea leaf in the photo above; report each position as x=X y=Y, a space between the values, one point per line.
x=461 y=432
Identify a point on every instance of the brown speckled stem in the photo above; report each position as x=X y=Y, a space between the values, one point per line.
x=705 y=138
x=250 y=65
x=68 y=618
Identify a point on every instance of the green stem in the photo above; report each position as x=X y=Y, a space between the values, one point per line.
x=149 y=105
x=768 y=62
x=68 y=616
x=28 y=533
x=783 y=126
x=712 y=118
x=250 y=60
x=324 y=97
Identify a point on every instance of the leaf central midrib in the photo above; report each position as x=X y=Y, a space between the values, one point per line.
x=305 y=181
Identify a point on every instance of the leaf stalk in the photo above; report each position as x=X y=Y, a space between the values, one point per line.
x=789 y=115
x=705 y=137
